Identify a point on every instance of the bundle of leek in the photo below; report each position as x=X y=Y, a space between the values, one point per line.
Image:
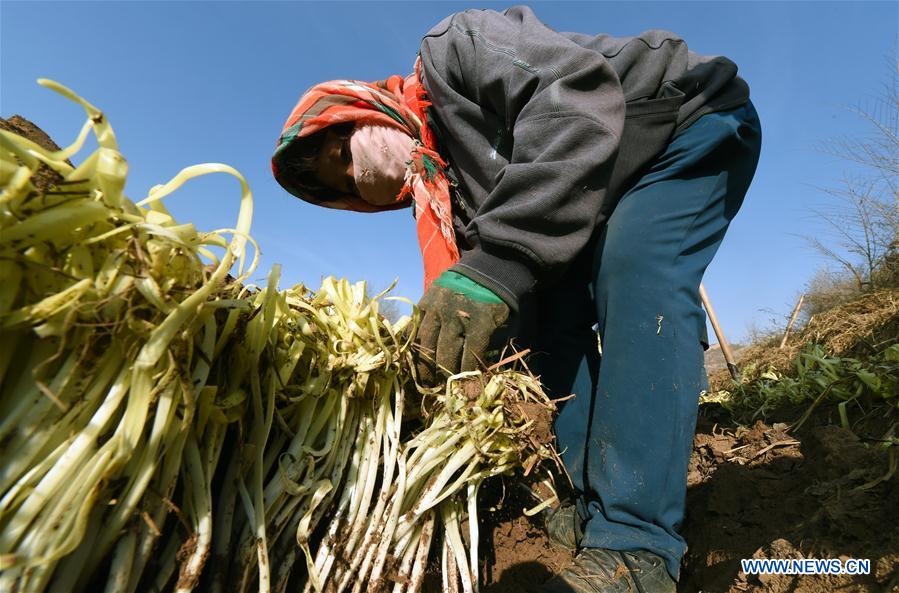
x=108 y=324
x=479 y=426
x=136 y=379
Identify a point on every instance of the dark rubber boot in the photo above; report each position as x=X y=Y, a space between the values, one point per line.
x=565 y=527
x=596 y=570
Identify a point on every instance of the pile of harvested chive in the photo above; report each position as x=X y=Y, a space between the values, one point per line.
x=165 y=427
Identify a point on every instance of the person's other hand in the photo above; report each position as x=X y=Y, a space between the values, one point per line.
x=459 y=316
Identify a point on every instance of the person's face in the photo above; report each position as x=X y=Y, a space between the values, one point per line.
x=335 y=169
x=335 y=164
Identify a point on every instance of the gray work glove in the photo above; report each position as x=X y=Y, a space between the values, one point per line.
x=459 y=316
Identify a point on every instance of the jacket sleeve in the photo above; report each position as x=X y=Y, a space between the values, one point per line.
x=564 y=107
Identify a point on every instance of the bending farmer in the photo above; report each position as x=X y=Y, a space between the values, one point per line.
x=560 y=182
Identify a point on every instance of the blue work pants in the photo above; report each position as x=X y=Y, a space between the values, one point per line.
x=626 y=436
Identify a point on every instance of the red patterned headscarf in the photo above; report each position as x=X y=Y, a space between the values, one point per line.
x=395 y=102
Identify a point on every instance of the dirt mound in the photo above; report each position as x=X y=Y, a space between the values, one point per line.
x=45 y=178
x=756 y=492
x=763 y=493
x=858 y=328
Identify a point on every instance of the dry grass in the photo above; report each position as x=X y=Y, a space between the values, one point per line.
x=859 y=328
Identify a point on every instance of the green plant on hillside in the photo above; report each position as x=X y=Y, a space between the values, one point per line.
x=820 y=378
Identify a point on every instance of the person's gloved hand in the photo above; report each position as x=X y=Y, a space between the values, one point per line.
x=459 y=316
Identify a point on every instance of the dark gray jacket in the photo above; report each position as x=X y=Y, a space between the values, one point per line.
x=544 y=131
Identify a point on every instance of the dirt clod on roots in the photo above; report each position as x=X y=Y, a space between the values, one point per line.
x=539 y=429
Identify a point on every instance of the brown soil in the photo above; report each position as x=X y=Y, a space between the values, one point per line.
x=761 y=492
x=516 y=552
x=539 y=431
x=45 y=177
x=752 y=492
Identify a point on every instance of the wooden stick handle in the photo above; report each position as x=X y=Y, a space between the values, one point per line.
x=722 y=341
x=793 y=317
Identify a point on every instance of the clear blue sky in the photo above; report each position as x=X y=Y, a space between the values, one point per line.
x=192 y=82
